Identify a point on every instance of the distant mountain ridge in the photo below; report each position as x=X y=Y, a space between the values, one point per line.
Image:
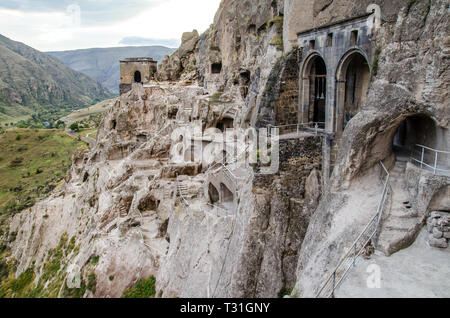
x=102 y=64
x=31 y=81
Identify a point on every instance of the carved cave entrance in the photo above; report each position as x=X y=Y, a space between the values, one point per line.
x=224 y=124
x=216 y=68
x=416 y=130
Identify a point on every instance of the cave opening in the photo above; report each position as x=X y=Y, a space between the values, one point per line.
x=244 y=81
x=415 y=131
x=216 y=68
x=224 y=124
x=137 y=77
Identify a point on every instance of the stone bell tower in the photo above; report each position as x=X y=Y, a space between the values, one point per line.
x=136 y=70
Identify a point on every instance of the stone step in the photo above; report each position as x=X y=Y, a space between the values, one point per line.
x=395 y=223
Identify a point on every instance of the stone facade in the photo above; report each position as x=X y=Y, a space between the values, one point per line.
x=136 y=70
x=334 y=45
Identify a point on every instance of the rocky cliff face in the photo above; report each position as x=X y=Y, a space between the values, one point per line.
x=124 y=215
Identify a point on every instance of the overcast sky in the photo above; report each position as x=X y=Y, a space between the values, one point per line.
x=56 y=25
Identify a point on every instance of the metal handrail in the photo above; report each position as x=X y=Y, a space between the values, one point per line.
x=316 y=127
x=434 y=150
x=422 y=162
x=349 y=260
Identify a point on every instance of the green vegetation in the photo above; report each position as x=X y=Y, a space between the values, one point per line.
x=285 y=291
x=24 y=287
x=74 y=127
x=94 y=260
x=277 y=41
x=51 y=282
x=277 y=21
x=31 y=167
x=143 y=289
x=376 y=60
x=217 y=99
x=71 y=244
x=92 y=282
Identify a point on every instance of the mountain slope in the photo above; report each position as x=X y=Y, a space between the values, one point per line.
x=102 y=64
x=31 y=81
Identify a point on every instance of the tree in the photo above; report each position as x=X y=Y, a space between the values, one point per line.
x=74 y=127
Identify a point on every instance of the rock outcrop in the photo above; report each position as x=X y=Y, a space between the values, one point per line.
x=182 y=63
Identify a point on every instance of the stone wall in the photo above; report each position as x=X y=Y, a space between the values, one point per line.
x=288 y=199
x=287 y=103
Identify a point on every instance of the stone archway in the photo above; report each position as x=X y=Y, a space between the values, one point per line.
x=353 y=78
x=314 y=90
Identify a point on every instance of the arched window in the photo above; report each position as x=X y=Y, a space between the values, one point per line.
x=353 y=83
x=314 y=90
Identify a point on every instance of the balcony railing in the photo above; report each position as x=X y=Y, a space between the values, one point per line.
x=431 y=159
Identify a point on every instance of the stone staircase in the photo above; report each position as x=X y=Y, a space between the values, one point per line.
x=401 y=226
x=184 y=190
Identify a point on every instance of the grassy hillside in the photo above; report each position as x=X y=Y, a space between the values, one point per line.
x=32 y=163
x=32 y=82
x=90 y=112
x=102 y=64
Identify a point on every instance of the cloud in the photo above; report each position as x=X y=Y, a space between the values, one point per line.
x=156 y=22
x=135 y=40
x=93 y=12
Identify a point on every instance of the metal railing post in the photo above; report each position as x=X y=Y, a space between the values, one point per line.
x=421 y=160
x=435 y=163
x=334 y=284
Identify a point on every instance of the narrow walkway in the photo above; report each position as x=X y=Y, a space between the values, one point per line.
x=418 y=271
x=73 y=134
